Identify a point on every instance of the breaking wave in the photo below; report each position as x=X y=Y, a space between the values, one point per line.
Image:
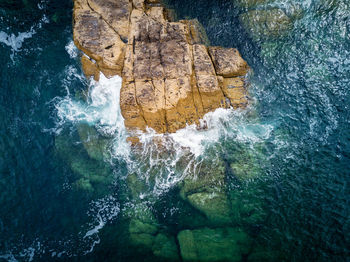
x=177 y=155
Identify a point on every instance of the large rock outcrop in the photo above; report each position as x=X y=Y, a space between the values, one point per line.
x=171 y=78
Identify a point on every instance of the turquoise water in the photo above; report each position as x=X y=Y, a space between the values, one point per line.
x=66 y=172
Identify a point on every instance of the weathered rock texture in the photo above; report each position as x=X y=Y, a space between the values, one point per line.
x=170 y=77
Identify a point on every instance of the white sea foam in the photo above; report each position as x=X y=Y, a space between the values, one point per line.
x=71 y=49
x=102 y=211
x=24 y=254
x=13 y=41
x=101 y=108
x=42 y=5
x=220 y=124
x=186 y=149
x=180 y=154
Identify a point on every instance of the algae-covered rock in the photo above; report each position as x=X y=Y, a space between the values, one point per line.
x=142 y=234
x=142 y=224
x=247 y=205
x=214 y=205
x=141 y=211
x=84 y=184
x=188 y=246
x=164 y=247
x=92 y=176
x=246 y=165
x=262 y=254
x=221 y=244
x=136 y=186
x=266 y=23
x=142 y=240
x=250 y=3
x=207 y=192
x=246 y=211
x=95 y=145
x=210 y=178
x=137 y=227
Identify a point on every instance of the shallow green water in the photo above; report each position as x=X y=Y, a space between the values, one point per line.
x=285 y=159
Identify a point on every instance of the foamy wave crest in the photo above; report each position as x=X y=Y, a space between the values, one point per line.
x=221 y=124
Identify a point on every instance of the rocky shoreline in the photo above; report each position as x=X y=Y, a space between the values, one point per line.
x=172 y=77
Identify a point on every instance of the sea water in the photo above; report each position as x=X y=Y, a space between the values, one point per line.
x=65 y=162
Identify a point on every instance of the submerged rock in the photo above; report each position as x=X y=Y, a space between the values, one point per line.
x=250 y=3
x=170 y=78
x=220 y=244
x=206 y=192
x=94 y=144
x=214 y=205
x=268 y=19
x=267 y=23
x=164 y=246
x=92 y=174
x=138 y=227
x=142 y=225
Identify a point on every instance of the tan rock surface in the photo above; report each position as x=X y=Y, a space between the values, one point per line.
x=228 y=61
x=90 y=68
x=170 y=78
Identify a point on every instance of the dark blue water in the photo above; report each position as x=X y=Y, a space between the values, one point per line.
x=53 y=191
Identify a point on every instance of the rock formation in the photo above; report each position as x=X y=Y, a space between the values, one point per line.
x=171 y=78
x=267 y=19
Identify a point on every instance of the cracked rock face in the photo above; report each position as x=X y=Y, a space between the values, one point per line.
x=171 y=78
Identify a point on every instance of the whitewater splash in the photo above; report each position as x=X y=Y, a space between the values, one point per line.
x=100 y=109
x=165 y=158
x=178 y=155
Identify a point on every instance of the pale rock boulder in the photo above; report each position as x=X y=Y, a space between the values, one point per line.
x=228 y=61
x=115 y=13
x=97 y=39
